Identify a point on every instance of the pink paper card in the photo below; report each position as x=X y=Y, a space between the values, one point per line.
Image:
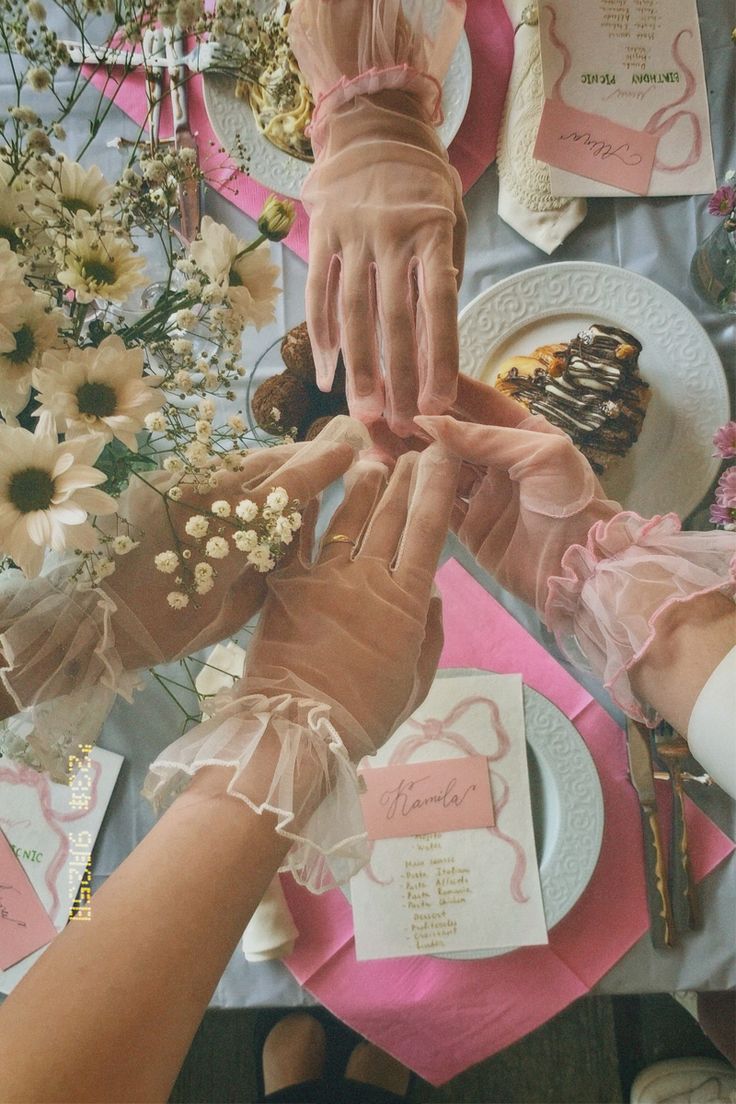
x=638 y=66
x=412 y=799
x=24 y=923
x=595 y=147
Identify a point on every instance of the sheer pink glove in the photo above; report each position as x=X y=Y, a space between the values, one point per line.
x=530 y=497
x=387 y=226
x=536 y=518
x=346 y=648
x=57 y=638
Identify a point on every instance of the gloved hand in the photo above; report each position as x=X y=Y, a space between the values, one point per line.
x=57 y=638
x=387 y=226
x=534 y=515
x=346 y=648
x=529 y=495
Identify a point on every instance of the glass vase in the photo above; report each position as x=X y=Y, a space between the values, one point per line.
x=713 y=269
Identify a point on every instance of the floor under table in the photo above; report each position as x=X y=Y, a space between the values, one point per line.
x=589 y=1054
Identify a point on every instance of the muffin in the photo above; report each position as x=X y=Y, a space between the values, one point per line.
x=283 y=403
x=296 y=353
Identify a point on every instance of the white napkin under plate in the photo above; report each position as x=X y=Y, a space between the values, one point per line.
x=525 y=200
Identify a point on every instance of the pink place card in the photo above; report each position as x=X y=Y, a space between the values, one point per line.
x=24 y=923
x=595 y=147
x=412 y=799
x=624 y=78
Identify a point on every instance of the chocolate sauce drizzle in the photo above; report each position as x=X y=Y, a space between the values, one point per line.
x=597 y=397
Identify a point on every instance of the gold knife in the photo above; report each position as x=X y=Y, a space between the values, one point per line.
x=671 y=749
x=658 y=899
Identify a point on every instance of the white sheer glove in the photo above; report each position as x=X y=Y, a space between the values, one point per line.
x=345 y=650
x=57 y=638
x=387 y=226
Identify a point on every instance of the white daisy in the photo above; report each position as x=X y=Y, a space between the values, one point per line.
x=100 y=390
x=249 y=279
x=47 y=490
x=81 y=191
x=15 y=219
x=99 y=265
x=34 y=329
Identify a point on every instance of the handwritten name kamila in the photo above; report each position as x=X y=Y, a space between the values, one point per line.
x=401 y=802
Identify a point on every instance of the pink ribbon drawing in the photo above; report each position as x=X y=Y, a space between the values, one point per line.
x=440 y=731
x=21 y=775
x=658 y=124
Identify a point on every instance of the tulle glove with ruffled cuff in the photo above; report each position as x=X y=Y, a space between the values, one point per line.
x=387 y=226
x=605 y=606
x=56 y=636
x=534 y=515
x=293 y=753
x=348 y=48
x=345 y=649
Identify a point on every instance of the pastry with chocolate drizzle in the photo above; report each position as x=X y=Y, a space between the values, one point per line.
x=590 y=387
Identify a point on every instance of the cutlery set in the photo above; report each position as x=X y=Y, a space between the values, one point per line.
x=164 y=51
x=671 y=893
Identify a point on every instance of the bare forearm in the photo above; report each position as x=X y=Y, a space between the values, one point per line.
x=120 y=996
x=691 y=641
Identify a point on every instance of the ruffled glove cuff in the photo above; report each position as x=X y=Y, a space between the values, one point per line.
x=392 y=44
x=57 y=638
x=604 y=610
x=289 y=757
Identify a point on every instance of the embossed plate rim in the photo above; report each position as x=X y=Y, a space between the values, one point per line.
x=652 y=492
x=275 y=169
x=555 y=867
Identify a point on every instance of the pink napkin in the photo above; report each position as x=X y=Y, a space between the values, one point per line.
x=491 y=40
x=438 y=1017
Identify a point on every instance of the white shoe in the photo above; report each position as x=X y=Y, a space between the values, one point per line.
x=685 y=1081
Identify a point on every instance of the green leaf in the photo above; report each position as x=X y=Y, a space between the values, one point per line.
x=118 y=463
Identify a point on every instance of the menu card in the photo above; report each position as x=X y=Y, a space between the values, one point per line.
x=626 y=103
x=24 y=923
x=51 y=828
x=454 y=888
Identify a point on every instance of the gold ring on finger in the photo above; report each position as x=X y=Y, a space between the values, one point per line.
x=340 y=538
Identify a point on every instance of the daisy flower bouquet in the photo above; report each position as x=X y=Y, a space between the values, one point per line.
x=118 y=387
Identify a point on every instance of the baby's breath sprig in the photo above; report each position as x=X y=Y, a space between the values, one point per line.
x=261 y=533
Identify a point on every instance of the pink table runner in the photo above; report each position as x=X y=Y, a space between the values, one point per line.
x=439 y=1017
x=491 y=40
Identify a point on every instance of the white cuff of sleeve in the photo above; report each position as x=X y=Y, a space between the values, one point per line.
x=711 y=733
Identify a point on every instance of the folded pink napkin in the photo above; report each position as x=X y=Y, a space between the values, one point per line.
x=491 y=40
x=436 y=1016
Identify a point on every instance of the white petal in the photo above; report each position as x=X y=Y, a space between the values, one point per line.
x=38 y=526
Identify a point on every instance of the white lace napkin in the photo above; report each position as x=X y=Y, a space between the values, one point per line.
x=271 y=932
x=525 y=200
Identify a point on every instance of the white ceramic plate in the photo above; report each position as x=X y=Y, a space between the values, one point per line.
x=567 y=806
x=233 y=121
x=671 y=466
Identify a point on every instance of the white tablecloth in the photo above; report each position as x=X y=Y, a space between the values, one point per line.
x=655 y=237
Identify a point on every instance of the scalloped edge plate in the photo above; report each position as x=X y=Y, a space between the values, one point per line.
x=671 y=466
x=270 y=166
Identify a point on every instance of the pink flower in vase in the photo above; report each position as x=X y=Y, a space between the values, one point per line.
x=722 y=515
x=725 y=441
x=726 y=489
x=723 y=201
